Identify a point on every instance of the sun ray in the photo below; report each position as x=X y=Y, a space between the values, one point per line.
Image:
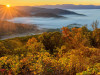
x=8 y=12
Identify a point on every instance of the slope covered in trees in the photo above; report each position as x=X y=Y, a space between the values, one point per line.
x=9 y=28
x=75 y=51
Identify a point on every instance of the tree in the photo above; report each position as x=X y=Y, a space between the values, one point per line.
x=51 y=40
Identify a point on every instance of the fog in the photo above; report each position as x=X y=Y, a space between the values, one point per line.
x=91 y=16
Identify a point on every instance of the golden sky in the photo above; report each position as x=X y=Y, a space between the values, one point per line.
x=48 y=2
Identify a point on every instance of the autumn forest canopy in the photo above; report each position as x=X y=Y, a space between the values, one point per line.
x=56 y=39
x=74 y=51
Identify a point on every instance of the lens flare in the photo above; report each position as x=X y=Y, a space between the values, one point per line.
x=8 y=5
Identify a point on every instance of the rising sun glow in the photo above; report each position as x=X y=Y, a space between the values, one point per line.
x=8 y=12
x=8 y=5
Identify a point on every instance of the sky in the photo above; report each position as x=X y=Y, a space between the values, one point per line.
x=48 y=2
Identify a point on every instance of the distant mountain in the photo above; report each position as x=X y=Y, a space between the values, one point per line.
x=48 y=15
x=54 y=11
x=25 y=11
x=71 y=6
x=34 y=10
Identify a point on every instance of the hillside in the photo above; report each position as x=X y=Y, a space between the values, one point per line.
x=75 y=51
x=56 y=11
x=48 y=15
x=9 y=28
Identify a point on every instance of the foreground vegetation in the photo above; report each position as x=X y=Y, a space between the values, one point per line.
x=75 y=51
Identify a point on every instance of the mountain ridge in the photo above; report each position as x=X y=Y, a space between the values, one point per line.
x=71 y=6
x=27 y=11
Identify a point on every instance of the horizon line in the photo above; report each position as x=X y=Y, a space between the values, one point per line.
x=53 y=4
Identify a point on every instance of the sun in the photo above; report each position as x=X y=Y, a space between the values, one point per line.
x=8 y=5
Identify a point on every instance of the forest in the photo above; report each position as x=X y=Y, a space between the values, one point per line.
x=74 y=51
x=9 y=28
